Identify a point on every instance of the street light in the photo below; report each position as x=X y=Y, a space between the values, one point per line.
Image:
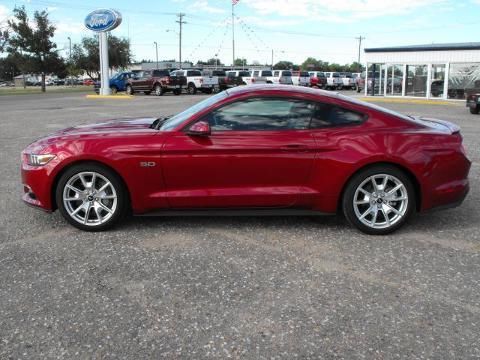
x=280 y=51
x=70 y=56
x=156 y=51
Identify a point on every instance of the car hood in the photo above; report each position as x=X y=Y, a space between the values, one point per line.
x=110 y=126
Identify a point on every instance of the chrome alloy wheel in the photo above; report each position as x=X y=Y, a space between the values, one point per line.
x=380 y=201
x=89 y=198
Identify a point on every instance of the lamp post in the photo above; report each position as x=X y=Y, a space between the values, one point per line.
x=156 y=52
x=70 y=56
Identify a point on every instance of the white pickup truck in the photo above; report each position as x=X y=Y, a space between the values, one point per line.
x=262 y=76
x=301 y=78
x=334 y=81
x=197 y=82
x=282 y=77
x=348 y=81
x=244 y=77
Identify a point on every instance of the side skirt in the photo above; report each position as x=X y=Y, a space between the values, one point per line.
x=236 y=212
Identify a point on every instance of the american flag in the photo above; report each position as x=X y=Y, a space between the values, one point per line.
x=235 y=2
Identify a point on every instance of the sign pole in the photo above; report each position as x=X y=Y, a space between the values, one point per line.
x=104 y=66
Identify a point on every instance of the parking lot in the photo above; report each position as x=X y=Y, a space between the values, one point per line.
x=239 y=287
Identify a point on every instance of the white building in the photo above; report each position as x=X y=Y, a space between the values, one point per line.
x=428 y=71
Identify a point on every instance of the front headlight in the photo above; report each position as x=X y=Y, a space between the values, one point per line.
x=38 y=160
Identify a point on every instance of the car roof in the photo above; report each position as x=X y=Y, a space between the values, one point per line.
x=286 y=89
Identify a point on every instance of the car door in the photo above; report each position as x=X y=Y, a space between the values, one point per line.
x=260 y=154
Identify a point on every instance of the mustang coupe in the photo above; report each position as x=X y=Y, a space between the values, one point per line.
x=262 y=149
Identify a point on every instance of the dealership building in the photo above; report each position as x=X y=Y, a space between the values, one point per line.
x=436 y=71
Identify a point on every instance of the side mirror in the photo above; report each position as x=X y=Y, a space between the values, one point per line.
x=200 y=128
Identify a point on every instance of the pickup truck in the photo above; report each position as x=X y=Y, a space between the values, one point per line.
x=473 y=98
x=348 y=81
x=221 y=75
x=197 y=82
x=282 y=77
x=158 y=81
x=334 y=81
x=238 y=77
x=301 y=78
x=262 y=76
x=117 y=83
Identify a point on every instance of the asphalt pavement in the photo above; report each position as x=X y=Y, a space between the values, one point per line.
x=232 y=287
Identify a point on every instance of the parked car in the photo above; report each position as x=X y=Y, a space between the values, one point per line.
x=318 y=79
x=473 y=97
x=348 y=81
x=334 y=82
x=301 y=78
x=282 y=77
x=88 y=82
x=157 y=81
x=118 y=82
x=263 y=149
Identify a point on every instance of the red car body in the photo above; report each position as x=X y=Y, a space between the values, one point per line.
x=301 y=169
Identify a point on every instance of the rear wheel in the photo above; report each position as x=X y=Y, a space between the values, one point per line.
x=113 y=90
x=192 y=89
x=379 y=200
x=474 y=110
x=91 y=197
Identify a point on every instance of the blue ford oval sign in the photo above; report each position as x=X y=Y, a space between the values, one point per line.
x=103 y=20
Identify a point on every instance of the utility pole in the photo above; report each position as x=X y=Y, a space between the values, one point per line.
x=180 y=22
x=272 y=59
x=233 y=34
x=156 y=52
x=360 y=38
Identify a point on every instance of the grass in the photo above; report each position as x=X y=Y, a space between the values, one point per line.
x=50 y=89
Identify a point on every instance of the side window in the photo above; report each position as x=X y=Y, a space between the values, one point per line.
x=267 y=114
x=326 y=115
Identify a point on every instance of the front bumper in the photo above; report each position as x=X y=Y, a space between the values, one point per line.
x=37 y=186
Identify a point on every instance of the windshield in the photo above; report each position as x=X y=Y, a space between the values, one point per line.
x=287 y=73
x=176 y=120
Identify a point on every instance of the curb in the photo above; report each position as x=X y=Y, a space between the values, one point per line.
x=117 y=97
x=411 y=101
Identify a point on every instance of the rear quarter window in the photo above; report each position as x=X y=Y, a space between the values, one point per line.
x=326 y=115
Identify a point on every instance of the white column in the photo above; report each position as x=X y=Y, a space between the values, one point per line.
x=366 y=79
x=105 y=82
x=404 y=87
x=445 y=84
x=429 y=80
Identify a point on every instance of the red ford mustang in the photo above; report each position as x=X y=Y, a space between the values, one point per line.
x=253 y=149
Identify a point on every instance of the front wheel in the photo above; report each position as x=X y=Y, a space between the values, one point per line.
x=379 y=200
x=159 y=90
x=129 y=90
x=91 y=197
x=113 y=90
x=474 y=110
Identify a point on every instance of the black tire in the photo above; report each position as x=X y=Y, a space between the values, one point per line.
x=474 y=110
x=129 y=90
x=376 y=204
x=113 y=90
x=191 y=89
x=159 y=91
x=120 y=205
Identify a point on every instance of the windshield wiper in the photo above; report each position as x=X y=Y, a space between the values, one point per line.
x=159 y=122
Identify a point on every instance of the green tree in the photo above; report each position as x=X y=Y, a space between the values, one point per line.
x=8 y=68
x=85 y=56
x=31 y=43
x=4 y=35
x=240 y=62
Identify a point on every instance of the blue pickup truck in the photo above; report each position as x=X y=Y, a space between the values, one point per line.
x=117 y=83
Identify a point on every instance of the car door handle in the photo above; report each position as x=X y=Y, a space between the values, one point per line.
x=294 y=147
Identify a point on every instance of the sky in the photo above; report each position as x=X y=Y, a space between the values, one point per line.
x=293 y=29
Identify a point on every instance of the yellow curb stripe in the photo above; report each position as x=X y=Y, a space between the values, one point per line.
x=412 y=101
x=118 y=97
